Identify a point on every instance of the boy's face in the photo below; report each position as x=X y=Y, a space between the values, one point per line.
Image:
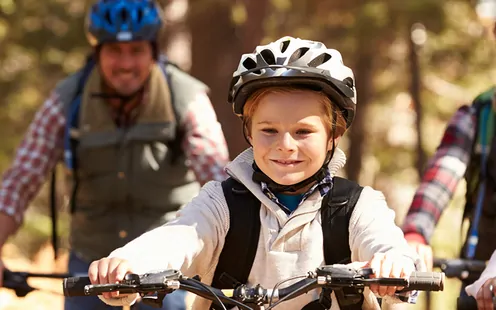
x=290 y=141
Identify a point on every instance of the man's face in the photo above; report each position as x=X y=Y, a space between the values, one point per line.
x=126 y=66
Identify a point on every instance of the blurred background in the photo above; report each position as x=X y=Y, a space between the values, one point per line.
x=415 y=62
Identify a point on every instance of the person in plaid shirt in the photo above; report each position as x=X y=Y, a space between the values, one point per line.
x=439 y=181
x=454 y=159
x=144 y=139
x=467 y=150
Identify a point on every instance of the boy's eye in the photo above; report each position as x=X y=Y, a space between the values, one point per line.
x=269 y=130
x=303 y=132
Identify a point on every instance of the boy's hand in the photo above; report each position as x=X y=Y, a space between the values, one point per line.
x=109 y=271
x=390 y=265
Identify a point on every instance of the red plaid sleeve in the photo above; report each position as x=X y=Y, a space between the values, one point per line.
x=204 y=142
x=442 y=175
x=35 y=157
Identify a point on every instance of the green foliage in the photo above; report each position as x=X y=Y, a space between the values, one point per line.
x=41 y=42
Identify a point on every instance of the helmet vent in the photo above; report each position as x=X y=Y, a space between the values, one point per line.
x=298 y=54
x=317 y=61
x=139 y=16
x=268 y=56
x=349 y=82
x=250 y=64
x=284 y=46
x=124 y=15
x=107 y=17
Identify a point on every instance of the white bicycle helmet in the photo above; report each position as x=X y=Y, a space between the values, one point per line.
x=295 y=62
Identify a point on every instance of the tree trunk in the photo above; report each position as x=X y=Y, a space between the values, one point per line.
x=213 y=57
x=415 y=91
x=363 y=70
x=217 y=45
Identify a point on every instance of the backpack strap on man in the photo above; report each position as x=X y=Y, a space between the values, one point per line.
x=183 y=89
x=337 y=207
x=474 y=174
x=175 y=146
x=69 y=144
x=484 y=139
x=240 y=245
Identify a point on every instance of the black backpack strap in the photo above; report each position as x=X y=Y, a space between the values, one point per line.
x=473 y=174
x=85 y=72
x=336 y=211
x=337 y=207
x=182 y=88
x=240 y=245
x=175 y=146
x=53 y=212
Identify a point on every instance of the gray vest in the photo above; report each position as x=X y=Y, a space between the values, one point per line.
x=125 y=181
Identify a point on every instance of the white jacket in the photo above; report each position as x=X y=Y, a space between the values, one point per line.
x=290 y=245
x=488 y=273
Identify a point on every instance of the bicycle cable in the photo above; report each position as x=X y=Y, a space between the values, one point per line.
x=210 y=291
x=280 y=283
x=292 y=293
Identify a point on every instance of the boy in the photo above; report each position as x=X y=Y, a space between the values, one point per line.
x=296 y=99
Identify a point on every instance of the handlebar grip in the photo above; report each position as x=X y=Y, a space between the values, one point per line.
x=74 y=286
x=466 y=303
x=426 y=281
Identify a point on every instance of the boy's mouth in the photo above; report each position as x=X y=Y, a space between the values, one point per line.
x=286 y=162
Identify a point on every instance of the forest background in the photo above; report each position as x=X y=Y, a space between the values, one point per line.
x=415 y=62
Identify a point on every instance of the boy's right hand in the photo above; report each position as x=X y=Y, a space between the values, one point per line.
x=109 y=271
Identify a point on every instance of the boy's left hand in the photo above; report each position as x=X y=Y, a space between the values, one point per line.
x=390 y=265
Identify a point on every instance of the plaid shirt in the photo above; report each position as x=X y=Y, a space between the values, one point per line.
x=42 y=147
x=324 y=187
x=442 y=175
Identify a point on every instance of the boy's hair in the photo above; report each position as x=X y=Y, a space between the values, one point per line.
x=328 y=108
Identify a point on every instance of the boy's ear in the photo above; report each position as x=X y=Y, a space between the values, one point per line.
x=250 y=139
x=336 y=142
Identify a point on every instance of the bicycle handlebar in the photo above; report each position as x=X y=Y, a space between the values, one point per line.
x=17 y=281
x=334 y=277
x=462 y=269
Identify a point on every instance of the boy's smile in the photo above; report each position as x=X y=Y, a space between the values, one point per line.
x=286 y=163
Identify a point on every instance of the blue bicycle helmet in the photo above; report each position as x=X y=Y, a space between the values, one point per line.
x=123 y=21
